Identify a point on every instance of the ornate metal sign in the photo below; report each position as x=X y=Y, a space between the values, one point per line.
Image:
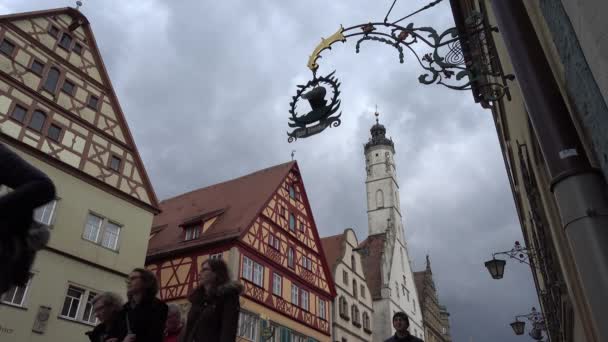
x=460 y=58
x=320 y=116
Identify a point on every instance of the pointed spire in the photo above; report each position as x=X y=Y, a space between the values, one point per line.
x=428 y=263
x=378 y=133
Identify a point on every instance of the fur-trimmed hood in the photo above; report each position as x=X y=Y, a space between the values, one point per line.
x=230 y=288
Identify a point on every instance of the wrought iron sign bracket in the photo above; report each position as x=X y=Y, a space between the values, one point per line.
x=522 y=254
x=459 y=59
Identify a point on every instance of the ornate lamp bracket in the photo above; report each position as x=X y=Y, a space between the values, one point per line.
x=518 y=252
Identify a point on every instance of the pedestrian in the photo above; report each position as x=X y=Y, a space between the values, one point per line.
x=401 y=323
x=174 y=323
x=20 y=236
x=214 y=313
x=144 y=314
x=107 y=307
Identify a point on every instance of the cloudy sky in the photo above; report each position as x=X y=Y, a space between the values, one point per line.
x=205 y=86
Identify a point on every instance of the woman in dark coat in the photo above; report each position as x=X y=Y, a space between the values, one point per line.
x=144 y=314
x=214 y=313
x=107 y=307
x=20 y=236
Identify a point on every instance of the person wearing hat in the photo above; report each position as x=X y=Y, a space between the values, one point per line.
x=401 y=323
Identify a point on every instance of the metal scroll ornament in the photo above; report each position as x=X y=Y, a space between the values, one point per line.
x=321 y=114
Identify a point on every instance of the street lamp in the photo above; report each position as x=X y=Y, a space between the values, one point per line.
x=496 y=267
x=442 y=63
x=538 y=324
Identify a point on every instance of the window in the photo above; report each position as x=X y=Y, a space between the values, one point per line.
x=353 y=264
x=253 y=271
x=343 y=307
x=50 y=84
x=277 y=284
x=37 y=67
x=292 y=192
x=19 y=113
x=345 y=277
x=16 y=295
x=355 y=314
x=7 y=48
x=216 y=256
x=54 y=132
x=66 y=41
x=306 y=262
x=54 y=31
x=297 y=338
x=290 y=257
x=45 y=213
x=292 y=222
x=302 y=227
x=305 y=301
x=397 y=289
x=68 y=87
x=102 y=231
x=247 y=268
x=366 y=325
x=72 y=301
x=37 y=121
x=192 y=232
x=77 y=48
x=89 y=313
x=362 y=291
x=354 y=288
x=110 y=236
x=248 y=326
x=295 y=295
x=258 y=274
x=115 y=163
x=93 y=102
x=274 y=242
x=322 y=309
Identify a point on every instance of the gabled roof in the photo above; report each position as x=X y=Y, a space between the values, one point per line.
x=91 y=42
x=371 y=250
x=236 y=203
x=333 y=246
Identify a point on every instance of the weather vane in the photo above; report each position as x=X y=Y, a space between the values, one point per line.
x=78 y=4
x=293 y=153
x=444 y=63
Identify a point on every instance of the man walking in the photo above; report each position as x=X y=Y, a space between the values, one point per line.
x=401 y=323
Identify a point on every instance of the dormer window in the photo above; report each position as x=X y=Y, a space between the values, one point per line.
x=192 y=232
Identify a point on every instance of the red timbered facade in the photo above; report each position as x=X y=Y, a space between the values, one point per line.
x=262 y=225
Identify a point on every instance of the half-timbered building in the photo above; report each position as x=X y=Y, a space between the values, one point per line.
x=435 y=316
x=262 y=226
x=58 y=111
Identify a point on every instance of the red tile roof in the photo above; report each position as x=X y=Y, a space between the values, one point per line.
x=237 y=202
x=371 y=250
x=333 y=246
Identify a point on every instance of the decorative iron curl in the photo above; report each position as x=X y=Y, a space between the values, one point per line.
x=382 y=40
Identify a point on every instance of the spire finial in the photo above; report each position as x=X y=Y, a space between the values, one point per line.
x=78 y=4
x=293 y=153
x=428 y=262
x=377 y=115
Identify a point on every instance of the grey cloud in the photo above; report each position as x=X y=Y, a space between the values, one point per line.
x=205 y=87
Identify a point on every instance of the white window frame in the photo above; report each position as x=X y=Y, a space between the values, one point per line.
x=247 y=271
x=111 y=244
x=322 y=308
x=13 y=291
x=258 y=274
x=100 y=233
x=215 y=256
x=305 y=302
x=295 y=295
x=192 y=232
x=42 y=210
x=277 y=284
x=84 y=303
x=248 y=326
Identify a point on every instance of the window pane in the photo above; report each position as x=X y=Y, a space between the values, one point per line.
x=7 y=47
x=292 y=222
x=66 y=41
x=277 y=285
x=19 y=113
x=54 y=132
x=292 y=192
x=305 y=300
x=89 y=314
x=68 y=87
x=110 y=236
x=290 y=257
x=248 y=326
x=44 y=214
x=37 y=67
x=115 y=163
x=54 y=31
x=72 y=301
x=77 y=48
x=93 y=102
x=51 y=80
x=295 y=294
x=92 y=228
x=258 y=274
x=38 y=119
x=247 y=268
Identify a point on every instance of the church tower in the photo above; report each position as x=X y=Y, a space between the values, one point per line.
x=384 y=252
x=383 y=207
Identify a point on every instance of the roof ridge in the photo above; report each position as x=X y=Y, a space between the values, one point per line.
x=226 y=181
